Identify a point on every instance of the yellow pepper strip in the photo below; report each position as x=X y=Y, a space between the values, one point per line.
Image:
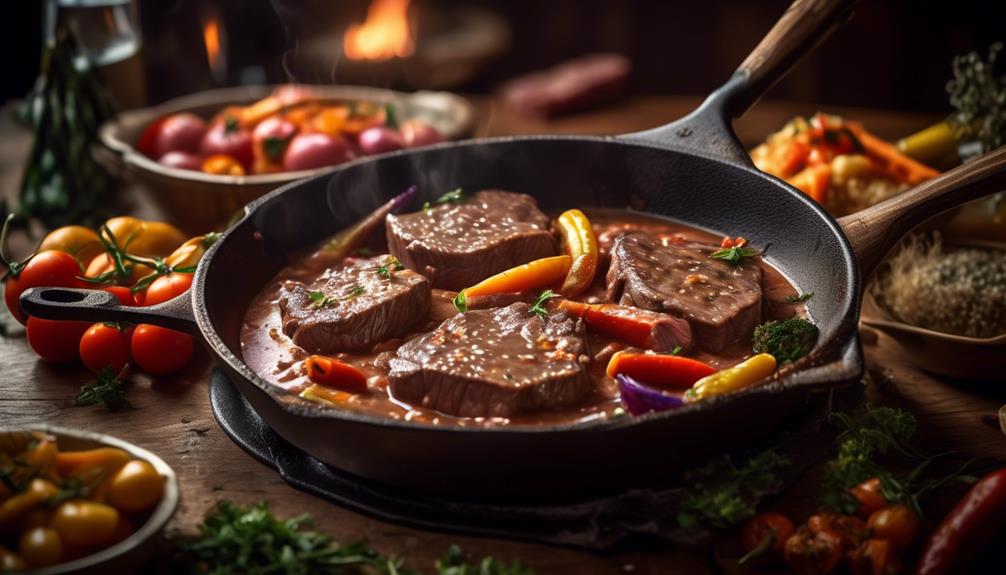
x=530 y=276
x=580 y=243
x=320 y=393
x=744 y=374
x=18 y=506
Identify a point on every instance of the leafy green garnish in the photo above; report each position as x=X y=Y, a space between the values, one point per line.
x=735 y=255
x=108 y=389
x=390 y=265
x=453 y=563
x=234 y=540
x=455 y=196
x=796 y=299
x=676 y=350
x=319 y=299
x=461 y=302
x=539 y=304
x=978 y=95
x=786 y=340
x=356 y=290
x=722 y=494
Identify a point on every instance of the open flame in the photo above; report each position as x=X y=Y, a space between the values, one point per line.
x=214 y=51
x=385 y=34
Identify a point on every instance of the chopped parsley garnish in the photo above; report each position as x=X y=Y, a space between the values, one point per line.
x=455 y=196
x=539 y=304
x=390 y=265
x=795 y=299
x=356 y=290
x=676 y=350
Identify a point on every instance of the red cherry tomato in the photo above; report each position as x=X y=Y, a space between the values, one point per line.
x=316 y=150
x=160 y=351
x=416 y=133
x=380 y=139
x=270 y=140
x=122 y=293
x=178 y=132
x=145 y=145
x=52 y=269
x=167 y=287
x=106 y=345
x=227 y=137
x=181 y=160
x=56 y=341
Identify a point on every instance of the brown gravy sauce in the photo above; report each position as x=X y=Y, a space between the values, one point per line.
x=274 y=356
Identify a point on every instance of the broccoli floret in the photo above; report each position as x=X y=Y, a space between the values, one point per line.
x=787 y=340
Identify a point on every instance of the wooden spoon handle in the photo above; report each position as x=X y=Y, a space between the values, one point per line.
x=875 y=230
x=804 y=25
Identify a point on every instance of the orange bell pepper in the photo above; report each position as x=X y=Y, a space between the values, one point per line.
x=579 y=241
x=666 y=371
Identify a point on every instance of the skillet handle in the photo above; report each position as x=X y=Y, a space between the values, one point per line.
x=98 y=305
x=875 y=230
x=708 y=130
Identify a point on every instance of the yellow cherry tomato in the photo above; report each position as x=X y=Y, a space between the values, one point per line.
x=37 y=518
x=16 y=507
x=81 y=522
x=40 y=547
x=136 y=488
x=78 y=241
x=223 y=165
x=143 y=238
x=744 y=374
x=10 y=562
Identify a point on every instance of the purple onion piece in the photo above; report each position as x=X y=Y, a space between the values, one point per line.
x=639 y=398
x=403 y=199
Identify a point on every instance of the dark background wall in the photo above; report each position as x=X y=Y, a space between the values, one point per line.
x=894 y=54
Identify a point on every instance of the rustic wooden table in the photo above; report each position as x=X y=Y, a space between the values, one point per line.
x=172 y=415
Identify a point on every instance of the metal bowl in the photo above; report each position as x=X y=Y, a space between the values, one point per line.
x=128 y=555
x=198 y=201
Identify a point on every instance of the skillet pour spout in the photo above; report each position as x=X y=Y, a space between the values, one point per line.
x=693 y=170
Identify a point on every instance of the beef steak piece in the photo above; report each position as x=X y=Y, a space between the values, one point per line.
x=494 y=363
x=458 y=245
x=722 y=302
x=358 y=306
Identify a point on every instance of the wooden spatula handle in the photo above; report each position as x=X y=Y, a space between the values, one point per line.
x=805 y=24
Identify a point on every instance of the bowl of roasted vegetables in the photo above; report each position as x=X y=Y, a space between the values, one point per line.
x=205 y=155
x=838 y=163
x=74 y=501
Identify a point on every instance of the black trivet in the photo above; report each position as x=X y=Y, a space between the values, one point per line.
x=597 y=524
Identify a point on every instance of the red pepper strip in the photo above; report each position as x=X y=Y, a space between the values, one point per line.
x=667 y=371
x=634 y=326
x=331 y=372
x=976 y=519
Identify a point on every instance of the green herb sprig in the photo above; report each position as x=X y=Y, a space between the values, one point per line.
x=234 y=539
x=320 y=300
x=455 y=196
x=798 y=299
x=539 y=304
x=109 y=389
x=735 y=255
x=390 y=265
x=978 y=95
x=722 y=494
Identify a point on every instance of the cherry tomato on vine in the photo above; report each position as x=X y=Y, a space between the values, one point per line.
x=52 y=269
x=81 y=522
x=56 y=341
x=40 y=547
x=765 y=535
x=167 y=287
x=226 y=136
x=870 y=497
x=121 y=293
x=160 y=351
x=106 y=345
x=896 y=524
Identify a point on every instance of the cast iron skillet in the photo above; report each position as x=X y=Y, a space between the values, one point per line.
x=693 y=170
